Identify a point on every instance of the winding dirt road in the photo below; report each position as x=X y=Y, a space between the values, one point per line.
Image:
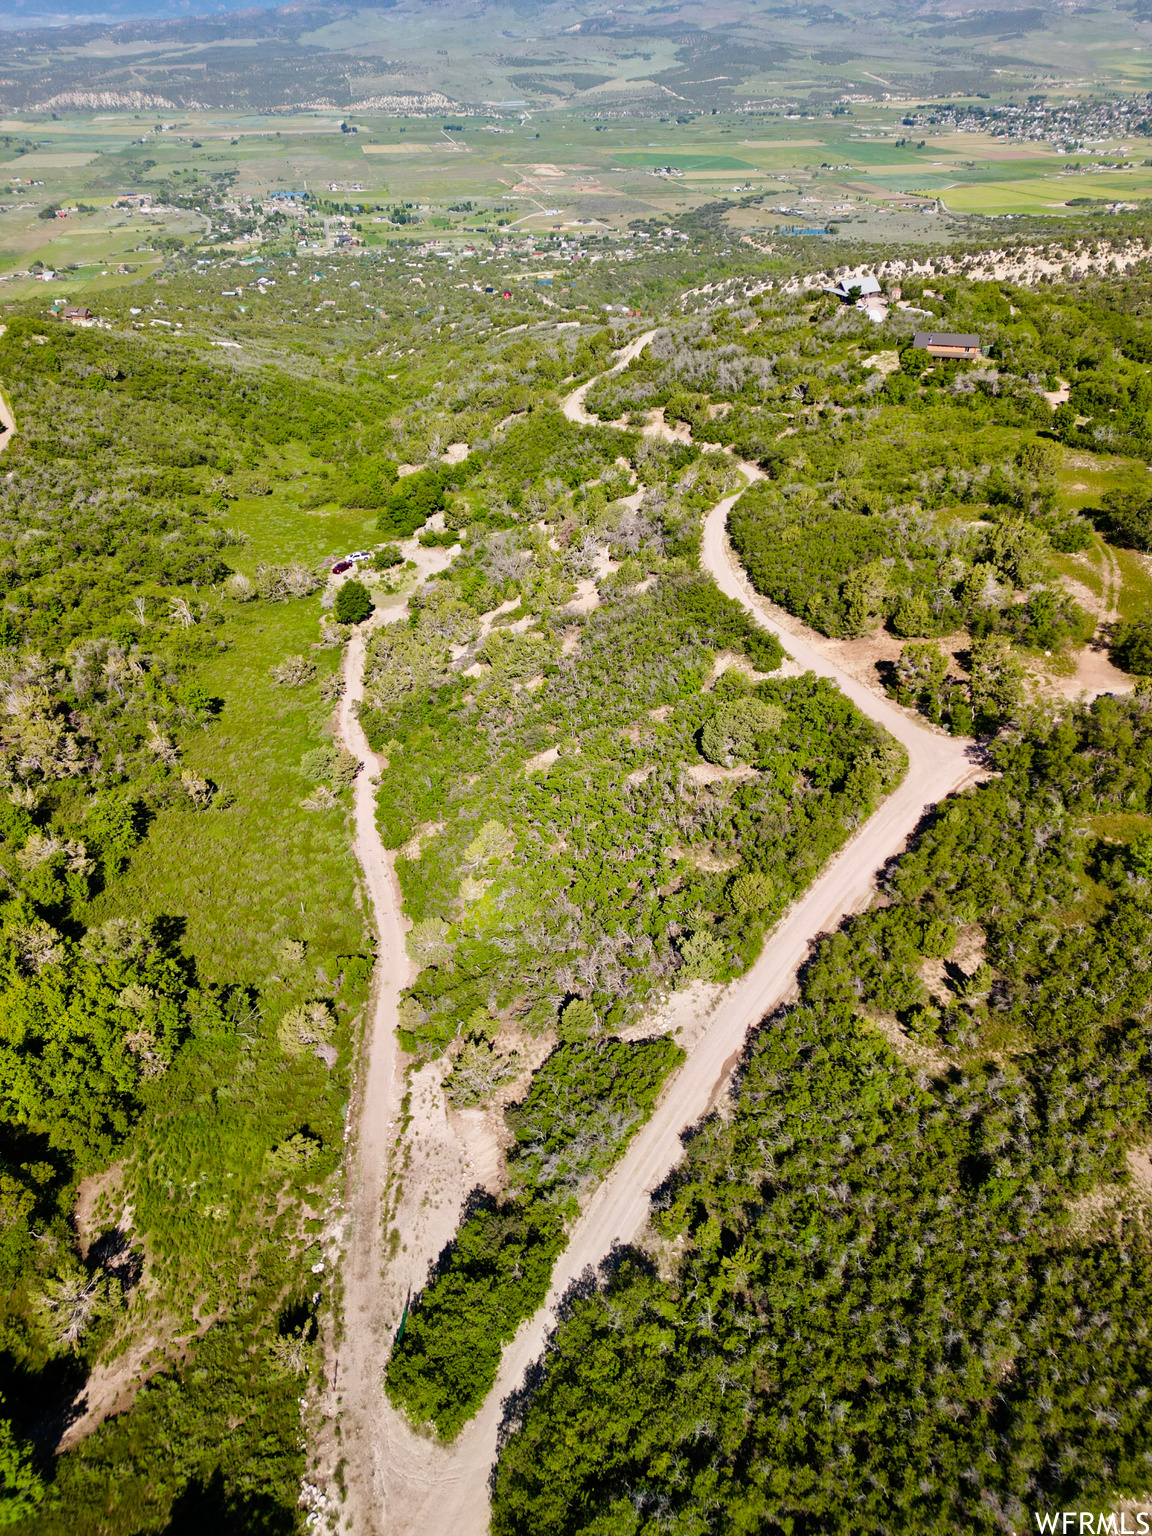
x=402 y=1482
x=374 y=1111
x=574 y=404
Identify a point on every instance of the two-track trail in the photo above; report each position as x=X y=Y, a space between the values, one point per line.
x=376 y=1106
x=420 y=1486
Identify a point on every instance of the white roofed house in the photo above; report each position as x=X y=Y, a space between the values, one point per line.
x=865 y=292
x=855 y=287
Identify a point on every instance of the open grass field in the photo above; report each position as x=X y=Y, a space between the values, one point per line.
x=249 y=875
x=256 y=871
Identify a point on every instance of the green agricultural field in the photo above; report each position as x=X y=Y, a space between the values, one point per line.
x=1047 y=194
x=553 y=169
x=689 y=162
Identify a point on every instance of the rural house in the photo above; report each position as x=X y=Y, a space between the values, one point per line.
x=948 y=344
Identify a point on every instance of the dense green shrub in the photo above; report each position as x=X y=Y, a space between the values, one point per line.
x=609 y=848
x=802 y=556
x=386 y=558
x=548 y=444
x=585 y=1104
x=1132 y=647
x=864 y=1244
x=496 y=1274
x=84 y=1033
x=211 y=1446
x=353 y=603
x=412 y=502
x=1127 y=519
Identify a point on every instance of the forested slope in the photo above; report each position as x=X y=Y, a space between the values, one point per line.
x=181 y=1085
x=904 y=1279
x=185 y=964
x=588 y=816
x=602 y=787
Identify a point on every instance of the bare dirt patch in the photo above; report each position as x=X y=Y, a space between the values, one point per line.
x=968 y=952
x=147 y=1340
x=586 y=597
x=910 y=1051
x=112 y=1386
x=7 y=423
x=656 y=426
x=1100 y=1214
x=443 y=1155
x=726 y=661
x=424 y=833
x=707 y=859
x=95 y=1199
x=1140 y=1167
x=542 y=760
x=1093 y=674
x=682 y=1014
x=712 y=773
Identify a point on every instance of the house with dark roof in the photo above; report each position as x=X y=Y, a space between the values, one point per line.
x=948 y=344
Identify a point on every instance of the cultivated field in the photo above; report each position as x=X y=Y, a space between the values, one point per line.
x=526 y=170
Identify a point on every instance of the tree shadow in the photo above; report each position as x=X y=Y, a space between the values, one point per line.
x=888 y=676
x=479 y=1199
x=208 y=1506
x=170 y=930
x=113 y=1252
x=515 y=1406
x=43 y=1403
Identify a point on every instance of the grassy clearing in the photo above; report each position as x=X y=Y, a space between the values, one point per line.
x=1086 y=568
x=246 y=877
x=1120 y=826
x=260 y=870
x=1136 y=594
x=1083 y=481
x=279 y=529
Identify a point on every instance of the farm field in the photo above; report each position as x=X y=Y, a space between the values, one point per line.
x=535 y=172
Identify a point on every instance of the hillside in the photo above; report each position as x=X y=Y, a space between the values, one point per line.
x=360 y=596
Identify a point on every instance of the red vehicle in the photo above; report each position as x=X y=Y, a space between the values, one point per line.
x=341 y=566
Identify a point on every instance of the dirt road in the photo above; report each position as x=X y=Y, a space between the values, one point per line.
x=447 y=1490
x=7 y=420
x=405 y=1482
x=574 y=404
x=380 y=1084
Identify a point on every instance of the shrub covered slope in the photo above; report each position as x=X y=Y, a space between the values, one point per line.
x=888 y=1304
